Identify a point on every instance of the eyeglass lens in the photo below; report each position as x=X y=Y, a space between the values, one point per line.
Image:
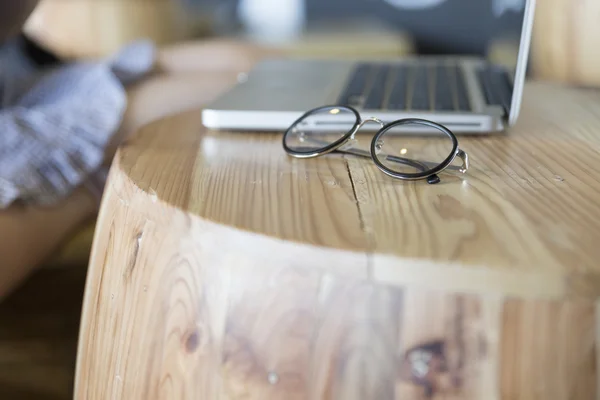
x=409 y=149
x=320 y=128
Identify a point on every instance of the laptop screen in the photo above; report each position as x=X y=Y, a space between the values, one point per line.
x=437 y=26
x=493 y=29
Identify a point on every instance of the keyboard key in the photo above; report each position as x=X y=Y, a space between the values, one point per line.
x=397 y=100
x=461 y=90
x=501 y=87
x=356 y=85
x=420 y=89
x=377 y=92
x=486 y=87
x=444 y=100
x=496 y=87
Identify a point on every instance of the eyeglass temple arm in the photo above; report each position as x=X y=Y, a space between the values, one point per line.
x=461 y=154
x=419 y=163
x=433 y=179
x=465 y=161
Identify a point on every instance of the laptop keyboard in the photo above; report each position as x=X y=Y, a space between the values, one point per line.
x=497 y=88
x=420 y=87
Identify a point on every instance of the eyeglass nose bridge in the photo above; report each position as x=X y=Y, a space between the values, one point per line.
x=371 y=119
x=364 y=122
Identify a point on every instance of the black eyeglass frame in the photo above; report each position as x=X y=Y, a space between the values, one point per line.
x=429 y=174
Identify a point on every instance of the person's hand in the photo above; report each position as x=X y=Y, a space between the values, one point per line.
x=188 y=75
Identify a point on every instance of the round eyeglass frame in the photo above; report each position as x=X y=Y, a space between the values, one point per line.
x=359 y=122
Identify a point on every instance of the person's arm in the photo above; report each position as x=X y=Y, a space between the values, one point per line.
x=29 y=235
x=13 y=14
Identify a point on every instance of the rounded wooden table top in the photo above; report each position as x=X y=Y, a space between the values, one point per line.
x=523 y=221
x=224 y=269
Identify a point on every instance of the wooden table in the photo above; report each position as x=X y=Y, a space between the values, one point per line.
x=222 y=269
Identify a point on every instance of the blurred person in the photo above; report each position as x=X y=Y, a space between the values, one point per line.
x=62 y=120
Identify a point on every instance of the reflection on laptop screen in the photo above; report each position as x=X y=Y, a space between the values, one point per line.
x=484 y=28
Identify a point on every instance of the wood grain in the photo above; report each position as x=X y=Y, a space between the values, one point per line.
x=535 y=367
x=565 y=37
x=223 y=269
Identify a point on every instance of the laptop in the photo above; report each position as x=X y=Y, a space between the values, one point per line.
x=469 y=95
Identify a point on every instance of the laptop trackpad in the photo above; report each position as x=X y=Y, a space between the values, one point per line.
x=286 y=85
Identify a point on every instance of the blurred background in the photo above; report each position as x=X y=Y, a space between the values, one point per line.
x=38 y=341
x=563 y=48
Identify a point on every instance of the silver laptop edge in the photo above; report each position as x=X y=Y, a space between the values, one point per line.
x=522 y=60
x=267 y=99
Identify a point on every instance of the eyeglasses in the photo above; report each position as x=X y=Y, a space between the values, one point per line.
x=407 y=157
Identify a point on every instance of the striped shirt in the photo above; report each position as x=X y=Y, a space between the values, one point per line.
x=56 y=118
